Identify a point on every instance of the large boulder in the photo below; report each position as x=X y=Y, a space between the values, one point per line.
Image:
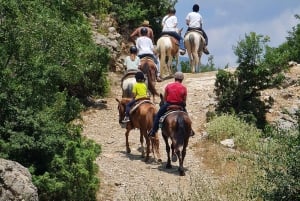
x=16 y=183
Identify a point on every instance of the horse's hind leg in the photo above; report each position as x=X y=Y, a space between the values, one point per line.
x=181 y=159
x=142 y=144
x=168 y=166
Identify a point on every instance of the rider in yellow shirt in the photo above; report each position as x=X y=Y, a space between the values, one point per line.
x=139 y=91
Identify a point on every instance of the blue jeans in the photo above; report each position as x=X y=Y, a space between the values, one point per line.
x=177 y=36
x=128 y=107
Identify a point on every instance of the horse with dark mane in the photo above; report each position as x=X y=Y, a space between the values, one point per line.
x=194 y=43
x=177 y=126
x=148 y=67
x=141 y=117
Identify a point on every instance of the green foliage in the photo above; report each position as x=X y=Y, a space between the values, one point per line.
x=225 y=126
x=48 y=65
x=279 y=158
x=239 y=92
x=130 y=14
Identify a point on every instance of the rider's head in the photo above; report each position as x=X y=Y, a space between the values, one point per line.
x=195 y=8
x=133 y=50
x=179 y=76
x=139 y=76
x=144 y=31
x=172 y=10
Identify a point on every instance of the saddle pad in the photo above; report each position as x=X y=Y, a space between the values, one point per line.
x=138 y=103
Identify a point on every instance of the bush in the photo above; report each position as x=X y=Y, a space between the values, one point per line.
x=226 y=126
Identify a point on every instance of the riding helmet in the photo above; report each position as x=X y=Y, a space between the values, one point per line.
x=144 y=31
x=139 y=76
x=179 y=76
x=133 y=50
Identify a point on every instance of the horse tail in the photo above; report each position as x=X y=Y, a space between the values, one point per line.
x=181 y=129
x=151 y=76
x=192 y=42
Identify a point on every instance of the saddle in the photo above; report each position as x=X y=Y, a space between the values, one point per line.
x=194 y=30
x=170 y=109
x=129 y=73
x=139 y=102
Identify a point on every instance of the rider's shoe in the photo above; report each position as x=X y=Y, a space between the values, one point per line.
x=205 y=50
x=182 y=51
x=125 y=120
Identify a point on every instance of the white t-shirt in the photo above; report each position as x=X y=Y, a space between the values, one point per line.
x=144 y=45
x=195 y=20
x=132 y=64
x=169 y=23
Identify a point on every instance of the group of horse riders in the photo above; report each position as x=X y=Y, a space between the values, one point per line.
x=193 y=20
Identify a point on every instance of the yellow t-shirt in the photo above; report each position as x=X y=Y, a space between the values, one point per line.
x=140 y=90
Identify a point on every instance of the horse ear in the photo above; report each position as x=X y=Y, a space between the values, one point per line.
x=161 y=96
x=118 y=100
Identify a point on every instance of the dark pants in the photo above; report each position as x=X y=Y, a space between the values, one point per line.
x=203 y=33
x=162 y=110
x=175 y=35
x=128 y=107
x=149 y=55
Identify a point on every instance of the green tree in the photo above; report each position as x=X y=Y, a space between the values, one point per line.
x=239 y=92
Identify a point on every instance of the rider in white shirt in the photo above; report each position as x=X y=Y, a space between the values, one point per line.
x=194 y=21
x=169 y=24
x=146 y=49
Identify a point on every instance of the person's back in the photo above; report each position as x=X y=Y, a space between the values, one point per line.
x=137 y=32
x=132 y=61
x=194 y=21
x=169 y=24
x=139 y=91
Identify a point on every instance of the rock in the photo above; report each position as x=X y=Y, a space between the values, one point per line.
x=15 y=182
x=228 y=143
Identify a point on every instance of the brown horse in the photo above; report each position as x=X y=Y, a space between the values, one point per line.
x=167 y=49
x=178 y=127
x=148 y=67
x=141 y=117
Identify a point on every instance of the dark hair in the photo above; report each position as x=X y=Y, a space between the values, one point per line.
x=133 y=50
x=144 y=31
x=195 y=8
x=139 y=76
x=172 y=10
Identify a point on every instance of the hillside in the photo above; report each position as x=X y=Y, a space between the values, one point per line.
x=124 y=176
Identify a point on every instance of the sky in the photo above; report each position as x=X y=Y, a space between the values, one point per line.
x=227 y=21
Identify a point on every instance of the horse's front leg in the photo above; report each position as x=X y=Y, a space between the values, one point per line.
x=128 y=150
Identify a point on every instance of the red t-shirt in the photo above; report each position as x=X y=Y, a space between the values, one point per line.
x=175 y=93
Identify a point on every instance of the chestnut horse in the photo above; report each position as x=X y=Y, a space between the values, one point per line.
x=148 y=67
x=168 y=49
x=176 y=126
x=141 y=117
x=194 y=43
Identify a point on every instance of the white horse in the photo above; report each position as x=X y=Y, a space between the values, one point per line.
x=194 y=43
x=168 y=49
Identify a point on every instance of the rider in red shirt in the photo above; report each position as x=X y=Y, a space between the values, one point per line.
x=175 y=94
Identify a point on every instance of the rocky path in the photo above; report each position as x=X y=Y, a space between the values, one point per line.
x=124 y=176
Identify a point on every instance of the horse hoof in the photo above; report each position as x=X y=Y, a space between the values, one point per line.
x=159 y=160
x=182 y=173
x=128 y=150
x=174 y=158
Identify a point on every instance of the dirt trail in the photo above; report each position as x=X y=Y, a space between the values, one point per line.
x=124 y=175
